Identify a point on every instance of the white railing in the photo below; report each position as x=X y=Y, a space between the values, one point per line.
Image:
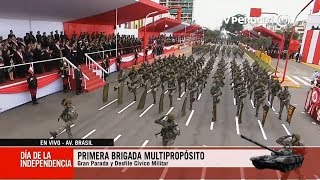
x=93 y=64
x=73 y=67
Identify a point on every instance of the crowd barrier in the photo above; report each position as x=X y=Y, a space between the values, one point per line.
x=267 y=59
x=16 y=94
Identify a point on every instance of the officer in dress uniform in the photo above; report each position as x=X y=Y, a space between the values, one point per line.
x=69 y=116
x=64 y=73
x=33 y=86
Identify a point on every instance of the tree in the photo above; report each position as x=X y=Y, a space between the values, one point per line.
x=232 y=27
x=210 y=35
x=287 y=35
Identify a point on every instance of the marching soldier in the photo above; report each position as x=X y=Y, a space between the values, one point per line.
x=170 y=129
x=155 y=83
x=64 y=73
x=69 y=116
x=284 y=97
x=121 y=79
x=216 y=93
x=259 y=97
x=274 y=89
x=193 y=86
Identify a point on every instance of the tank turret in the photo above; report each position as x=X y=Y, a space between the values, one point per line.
x=283 y=160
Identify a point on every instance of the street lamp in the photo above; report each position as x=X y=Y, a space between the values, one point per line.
x=291 y=38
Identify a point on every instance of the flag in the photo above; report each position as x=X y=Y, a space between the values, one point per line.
x=183 y=110
x=290 y=113
x=316 y=7
x=120 y=95
x=143 y=99
x=255 y=12
x=105 y=94
x=265 y=113
x=161 y=102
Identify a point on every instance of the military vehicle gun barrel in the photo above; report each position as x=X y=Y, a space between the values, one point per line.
x=258 y=144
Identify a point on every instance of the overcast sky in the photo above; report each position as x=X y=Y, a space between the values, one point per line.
x=209 y=13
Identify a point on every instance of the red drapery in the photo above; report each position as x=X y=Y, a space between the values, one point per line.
x=23 y=87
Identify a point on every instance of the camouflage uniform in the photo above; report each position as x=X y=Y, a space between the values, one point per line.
x=284 y=97
x=69 y=116
x=274 y=88
x=155 y=83
x=170 y=130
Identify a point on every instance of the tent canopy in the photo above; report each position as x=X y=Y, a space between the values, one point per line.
x=268 y=33
x=58 y=10
x=135 y=11
x=190 y=29
x=160 y=25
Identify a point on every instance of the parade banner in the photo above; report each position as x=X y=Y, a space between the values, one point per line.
x=145 y=163
x=290 y=113
x=265 y=114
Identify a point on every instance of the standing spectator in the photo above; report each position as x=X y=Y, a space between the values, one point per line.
x=33 y=86
x=118 y=59
x=37 y=56
x=64 y=73
x=11 y=35
x=136 y=56
x=78 y=75
x=28 y=55
x=2 y=74
x=105 y=65
x=19 y=60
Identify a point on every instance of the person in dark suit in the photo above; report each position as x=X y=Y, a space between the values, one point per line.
x=78 y=75
x=45 y=56
x=39 y=37
x=33 y=86
x=64 y=73
x=105 y=65
x=37 y=56
x=18 y=58
x=67 y=51
x=56 y=36
x=11 y=35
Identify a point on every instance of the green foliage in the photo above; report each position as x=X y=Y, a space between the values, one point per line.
x=288 y=31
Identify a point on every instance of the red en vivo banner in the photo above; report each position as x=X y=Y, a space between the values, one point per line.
x=147 y=163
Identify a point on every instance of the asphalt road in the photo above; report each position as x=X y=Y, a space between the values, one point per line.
x=123 y=123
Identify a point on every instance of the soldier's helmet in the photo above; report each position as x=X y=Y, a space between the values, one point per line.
x=170 y=118
x=66 y=102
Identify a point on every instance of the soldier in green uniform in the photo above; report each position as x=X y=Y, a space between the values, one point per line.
x=121 y=79
x=171 y=87
x=259 y=96
x=193 y=86
x=274 y=89
x=155 y=83
x=170 y=129
x=284 y=97
x=69 y=116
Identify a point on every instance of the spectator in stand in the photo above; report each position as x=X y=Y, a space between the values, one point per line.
x=11 y=35
x=105 y=65
x=18 y=58
x=37 y=53
x=136 y=56
x=28 y=55
x=2 y=74
x=78 y=77
x=64 y=73
x=118 y=59
x=33 y=86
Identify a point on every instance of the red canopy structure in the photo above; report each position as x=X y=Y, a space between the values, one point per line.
x=190 y=29
x=105 y=22
x=160 y=25
x=129 y=13
x=276 y=38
